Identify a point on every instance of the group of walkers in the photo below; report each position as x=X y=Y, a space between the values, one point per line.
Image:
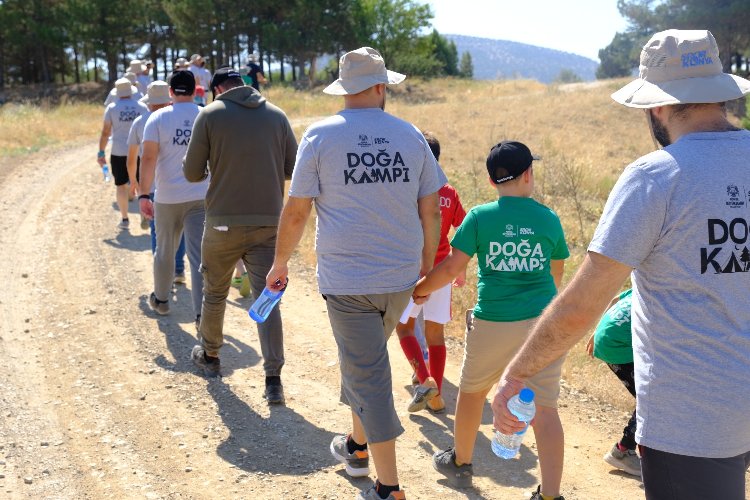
x=384 y=209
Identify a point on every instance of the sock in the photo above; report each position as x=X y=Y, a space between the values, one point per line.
x=410 y=346
x=352 y=446
x=547 y=497
x=384 y=490
x=437 y=364
x=274 y=380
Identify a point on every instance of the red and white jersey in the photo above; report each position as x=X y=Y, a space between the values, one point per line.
x=452 y=213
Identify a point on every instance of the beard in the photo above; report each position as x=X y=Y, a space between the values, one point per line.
x=659 y=130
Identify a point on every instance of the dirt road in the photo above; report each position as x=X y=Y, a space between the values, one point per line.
x=98 y=398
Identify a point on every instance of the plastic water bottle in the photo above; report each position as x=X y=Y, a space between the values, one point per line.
x=263 y=305
x=523 y=407
x=105 y=173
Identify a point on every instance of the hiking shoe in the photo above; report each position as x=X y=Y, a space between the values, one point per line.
x=179 y=278
x=211 y=366
x=372 y=494
x=626 y=461
x=158 y=306
x=538 y=495
x=245 y=285
x=124 y=224
x=274 y=393
x=422 y=394
x=356 y=464
x=436 y=404
x=445 y=463
x=144 y=223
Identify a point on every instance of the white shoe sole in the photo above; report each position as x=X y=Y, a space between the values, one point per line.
x=618 y=464
x=352 y=471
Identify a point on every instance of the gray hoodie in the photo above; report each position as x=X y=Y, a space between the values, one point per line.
x=249 y=148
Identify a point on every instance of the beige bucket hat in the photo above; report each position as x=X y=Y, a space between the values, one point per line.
x=123 y=87
x=137 y=66
x=157 y=93
x=681 y=67
x=361 y=69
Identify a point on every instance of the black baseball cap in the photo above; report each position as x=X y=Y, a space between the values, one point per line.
x=508 y=160
x=222 y=75
x=182 y=82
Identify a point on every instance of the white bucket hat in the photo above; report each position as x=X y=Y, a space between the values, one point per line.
x=681 y=67
x=137 y=66
x=361 y=69
x=157 y=93
x=123 y=87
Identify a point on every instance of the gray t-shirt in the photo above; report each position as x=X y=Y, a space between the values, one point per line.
x=171 y=128
x=680 y=217
x=121 y=114
x=366 y=169
x=135 y=137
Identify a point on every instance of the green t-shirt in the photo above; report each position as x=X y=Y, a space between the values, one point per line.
x=613 y=338
x=514 y=240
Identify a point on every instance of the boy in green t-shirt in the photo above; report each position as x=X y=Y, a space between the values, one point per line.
x=612 y=342
x=520 y=249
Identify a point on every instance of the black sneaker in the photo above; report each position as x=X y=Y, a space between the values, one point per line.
x=445 y=463
x=211 y=366
x=538 y=494
x=274 y=392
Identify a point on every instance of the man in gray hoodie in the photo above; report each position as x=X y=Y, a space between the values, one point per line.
x=247 y=145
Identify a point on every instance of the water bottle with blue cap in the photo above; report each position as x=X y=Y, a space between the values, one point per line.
x=522 y=406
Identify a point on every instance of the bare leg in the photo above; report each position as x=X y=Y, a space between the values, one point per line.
x=550 y=443
x=383 y=454
x=122 y=200
x=468 y=418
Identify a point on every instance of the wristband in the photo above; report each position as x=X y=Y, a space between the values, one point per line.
x=100 y=154
x=144 y=197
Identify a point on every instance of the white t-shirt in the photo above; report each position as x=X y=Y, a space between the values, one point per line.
x=142 y=81
x=121 y=114
x=202 y=75
x=135 y=137
x=171 y=128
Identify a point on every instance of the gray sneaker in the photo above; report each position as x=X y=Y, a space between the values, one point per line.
x=372 y=494
x=124 y=224
x=626 y=461
x=445 y=463
x=422 y=394
x=160 y=307
x=357 y=464
x=211 y=366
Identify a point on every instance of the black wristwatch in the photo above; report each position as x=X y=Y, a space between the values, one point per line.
x=144 y=197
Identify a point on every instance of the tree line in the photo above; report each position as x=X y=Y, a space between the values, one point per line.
x=64 y=41
x=728 y=20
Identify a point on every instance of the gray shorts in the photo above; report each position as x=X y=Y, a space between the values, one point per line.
x=361 y=325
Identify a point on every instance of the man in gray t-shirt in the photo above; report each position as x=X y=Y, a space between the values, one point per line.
x=374 y=183
x=678 y=219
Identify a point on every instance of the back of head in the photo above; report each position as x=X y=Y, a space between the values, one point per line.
x=508 y=160
x=227 y=77
x=182 y=83
x=360 y=70
x=433 y=142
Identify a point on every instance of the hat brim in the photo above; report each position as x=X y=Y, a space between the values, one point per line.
x=356 y=85
x=156 y=100
x=700 y=90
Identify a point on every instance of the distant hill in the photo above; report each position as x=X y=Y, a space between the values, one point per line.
x=496 y=59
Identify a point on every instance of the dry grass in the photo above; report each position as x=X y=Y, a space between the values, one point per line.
x=25 y=127
x=585 y=140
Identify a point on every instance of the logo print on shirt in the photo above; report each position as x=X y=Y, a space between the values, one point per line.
x=510 y=256
x=378 y=167
x=733 y=193
x=509 y=233
x=182 y=135
x=128 y=115
x=364 y=142
x=729 y=253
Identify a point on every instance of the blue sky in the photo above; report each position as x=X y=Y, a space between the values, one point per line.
x=578 y=26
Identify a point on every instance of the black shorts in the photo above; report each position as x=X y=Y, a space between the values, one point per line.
x=667 y=476
x=119 y=165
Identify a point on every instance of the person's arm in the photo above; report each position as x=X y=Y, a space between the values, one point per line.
x=148 y=169
x=261 y=78
x=442 y=274
x=429 y=216
x=290 y=151
x=133 y=168
x=106 y=132
x=195 y=163
x=557 y=270
x=570 y=315
x=292 y=222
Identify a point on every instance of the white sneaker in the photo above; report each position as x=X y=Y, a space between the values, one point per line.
x=627 y=461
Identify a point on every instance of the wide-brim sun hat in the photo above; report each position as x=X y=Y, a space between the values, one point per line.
x=157 y=93
x=681 y=67
x=137 y=66
x=361 y=69
x=123 y=87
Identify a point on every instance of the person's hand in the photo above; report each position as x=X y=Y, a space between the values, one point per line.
x=460 y=280
x=420 y=299
x=147 y=208
x=277 y=277
x=590 y=346
x=101 y=161
x=503 y=420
